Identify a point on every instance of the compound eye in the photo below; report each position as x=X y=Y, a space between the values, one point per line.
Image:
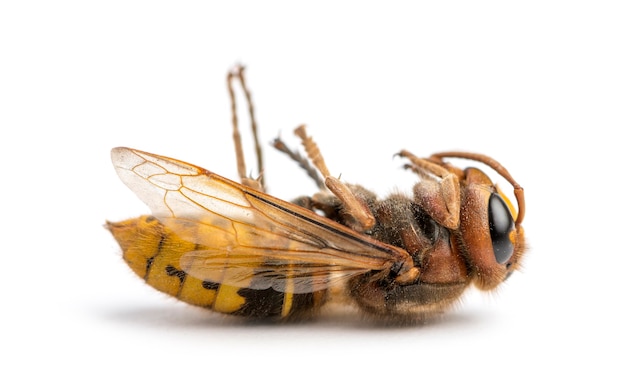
x=501 y=224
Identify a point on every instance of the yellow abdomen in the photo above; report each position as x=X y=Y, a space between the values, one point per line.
x=153 y=252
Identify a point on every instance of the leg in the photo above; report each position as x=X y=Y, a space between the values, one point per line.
x=237 y=72
x=302 y=162
x=360 y=217
x=517 y=189
x=439 y=192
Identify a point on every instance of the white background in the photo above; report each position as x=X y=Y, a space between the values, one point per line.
x=538 y=85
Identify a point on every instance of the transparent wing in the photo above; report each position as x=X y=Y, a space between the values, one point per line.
x=245 y=237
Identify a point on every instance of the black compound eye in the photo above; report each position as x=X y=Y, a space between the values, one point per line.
x=500 y=226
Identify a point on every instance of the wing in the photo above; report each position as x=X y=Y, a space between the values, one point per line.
x=245 y=237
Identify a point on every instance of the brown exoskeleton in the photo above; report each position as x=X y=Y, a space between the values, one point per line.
x=233 y=248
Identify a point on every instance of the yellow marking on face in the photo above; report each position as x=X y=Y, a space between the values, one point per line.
x=508 y=202
x=513 y=237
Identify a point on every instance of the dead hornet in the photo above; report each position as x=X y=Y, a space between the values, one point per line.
x=232 y=248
